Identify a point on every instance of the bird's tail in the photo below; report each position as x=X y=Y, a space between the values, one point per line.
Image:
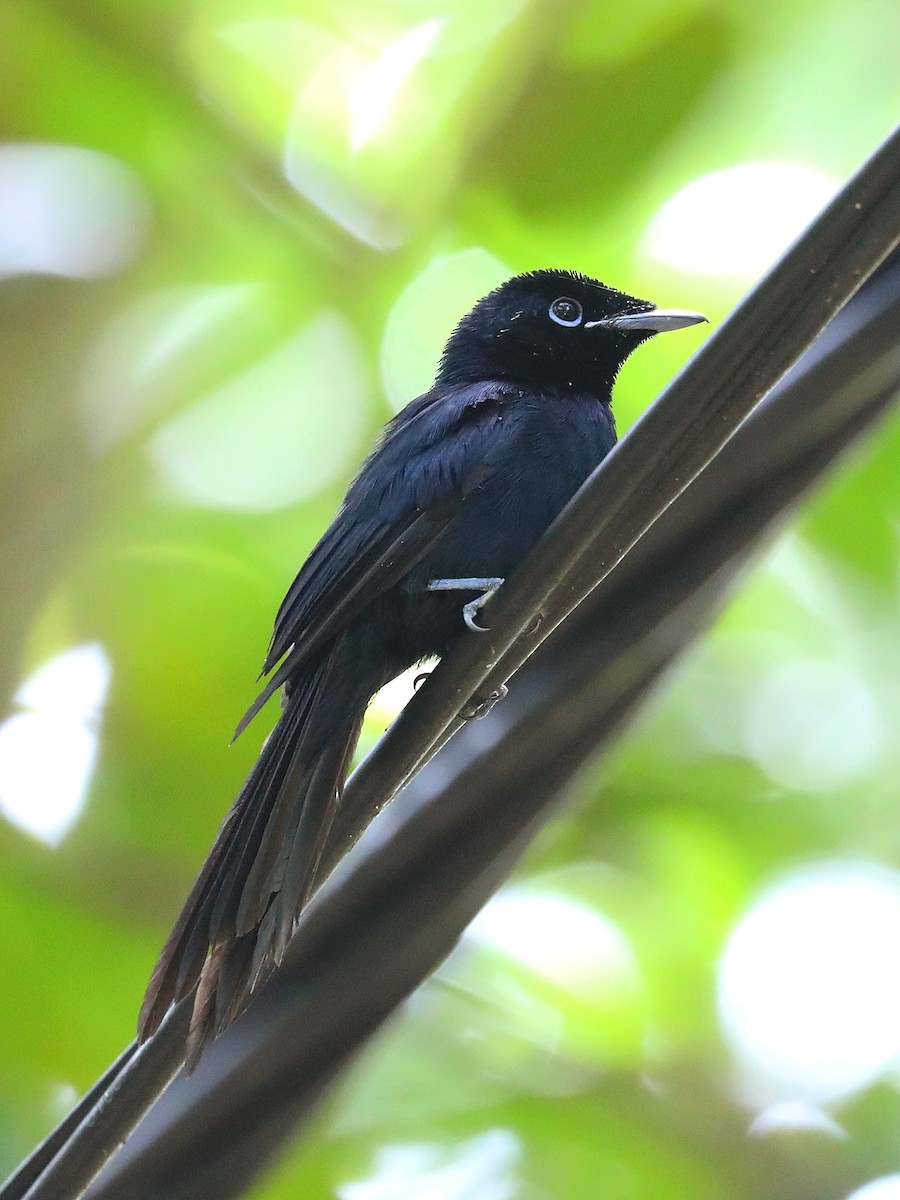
x=240 y=913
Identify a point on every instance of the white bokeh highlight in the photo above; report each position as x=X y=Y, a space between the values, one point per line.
x=561 y=940
x=276 y=433
x=48 y=752
x=68 y=211
x=795 y=1116
x=157 y=345
x=331 y=82
x=424 y=313
x=812 y=725
x=885 y=1188
x=484 y=1166
x=379 y=84
x=809 y=984
x=734 y=223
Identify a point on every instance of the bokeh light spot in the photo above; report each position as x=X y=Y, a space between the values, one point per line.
x=885 y=1188
x=737 y=221
x=278 y=432
x=573 y=946
x=795 y=1116
x=47 y=753
x=160 y=342
x=425 y=312
x=63 y=1098
x=321 y=73
x=483 y=1166
x=809 y=983
x=66 y=210
x=378 y=85
x=812 y=726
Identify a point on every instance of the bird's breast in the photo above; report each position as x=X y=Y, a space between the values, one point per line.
x=545 y=453
x=538 y=457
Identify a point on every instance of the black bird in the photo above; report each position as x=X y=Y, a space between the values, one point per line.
x=460 y=486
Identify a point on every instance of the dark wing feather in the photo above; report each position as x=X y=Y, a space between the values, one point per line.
x=398 y=506
x=374 y=572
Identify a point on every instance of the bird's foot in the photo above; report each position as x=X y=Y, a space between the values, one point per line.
x=480 y=706
x=487 y=587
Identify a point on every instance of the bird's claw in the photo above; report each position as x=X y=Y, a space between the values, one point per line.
x=480 y=706
x=469 y=611
x=486 y=586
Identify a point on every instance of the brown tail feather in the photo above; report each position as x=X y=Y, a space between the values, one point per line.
x=241 y=911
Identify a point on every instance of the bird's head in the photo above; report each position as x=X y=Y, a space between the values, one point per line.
x=553 y=330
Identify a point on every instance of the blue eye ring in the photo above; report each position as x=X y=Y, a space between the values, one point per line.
x=566 y=312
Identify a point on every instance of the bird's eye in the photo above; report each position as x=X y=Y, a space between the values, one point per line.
x=565 y=311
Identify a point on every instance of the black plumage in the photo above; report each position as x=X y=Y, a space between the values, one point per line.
x=460 y=486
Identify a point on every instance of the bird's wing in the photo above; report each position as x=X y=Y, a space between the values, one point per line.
x=432 y=455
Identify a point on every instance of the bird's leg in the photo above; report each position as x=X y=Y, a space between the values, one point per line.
x=487 y=587
x=479 y=706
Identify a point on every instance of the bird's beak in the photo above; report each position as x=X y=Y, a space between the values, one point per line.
x=657 y=320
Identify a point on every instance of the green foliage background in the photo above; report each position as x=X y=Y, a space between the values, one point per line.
x=175 y=435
